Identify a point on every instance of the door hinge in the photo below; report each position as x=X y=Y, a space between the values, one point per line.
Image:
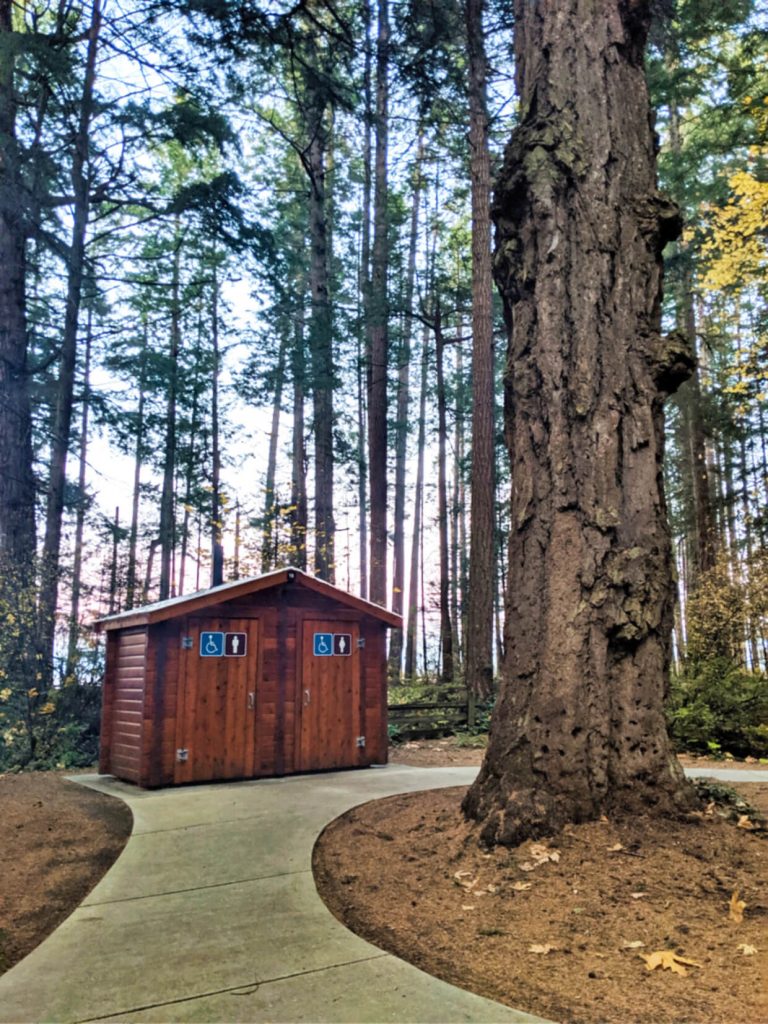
x=361 y=741
x=361 y=641
x=182 y=755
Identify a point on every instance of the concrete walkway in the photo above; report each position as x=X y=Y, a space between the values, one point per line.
x=211 y=914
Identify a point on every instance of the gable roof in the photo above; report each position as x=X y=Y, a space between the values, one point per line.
x=169 y=609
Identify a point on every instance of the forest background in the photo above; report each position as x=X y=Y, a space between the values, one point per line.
x=246 y=273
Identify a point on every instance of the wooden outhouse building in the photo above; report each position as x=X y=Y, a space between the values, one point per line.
x=265 y=676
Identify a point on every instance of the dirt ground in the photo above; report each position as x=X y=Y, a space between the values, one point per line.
x=560 y=927
x=58 y=839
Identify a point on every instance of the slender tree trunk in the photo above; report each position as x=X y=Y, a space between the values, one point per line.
x=138 y=459
x=456 y=496
x=321 y=345
x=191 y=465
x=446 y=629
x=479 y=640
x=365 y=297
x=167 y=518
x=17 y=481
x=298 y=517
x=418 y=501
x=362 y=468
x=377 y=326
x=114 y=603
x=269 y=529
x=217 y=509
x=236 y=559
x=62 y=422
x=401 y=423
x=77 y=563
x=578 y=730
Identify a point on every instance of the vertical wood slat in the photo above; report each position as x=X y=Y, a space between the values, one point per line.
x=122 y=722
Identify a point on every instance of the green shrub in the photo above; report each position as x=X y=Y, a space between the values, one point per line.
x=716 y=707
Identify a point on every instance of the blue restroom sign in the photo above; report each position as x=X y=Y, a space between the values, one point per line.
x=323 y=645
x=211 y=645
x=326 y=645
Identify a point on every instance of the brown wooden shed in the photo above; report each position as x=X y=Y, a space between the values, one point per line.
x=271 y=675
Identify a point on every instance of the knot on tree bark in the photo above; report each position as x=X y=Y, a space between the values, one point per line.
x=673 y=362
x=631 y=593
x=659 y=219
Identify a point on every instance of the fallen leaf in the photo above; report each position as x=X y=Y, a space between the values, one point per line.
x=521 y=886
x=710 y=808
x=668 y=960
x=616 y=848
x=744 y=822
x=603 y=820
x=638 y=895
x=633 y=945
x=540 y=855
x=492 y=888
x=464 y=879
x=536 y=948
x=746 y=949
x=468 y=907
x=736 y=907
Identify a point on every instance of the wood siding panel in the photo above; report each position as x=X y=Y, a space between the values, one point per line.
x=126 y=706
x=329 y=696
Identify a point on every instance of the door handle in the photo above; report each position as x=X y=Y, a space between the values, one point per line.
x=251 y=701
x=307 y=698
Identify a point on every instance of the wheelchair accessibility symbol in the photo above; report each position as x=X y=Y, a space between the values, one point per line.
x=211 y=645
x=323 y=644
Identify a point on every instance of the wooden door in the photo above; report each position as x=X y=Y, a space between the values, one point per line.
x=329 y=697
x=217 y=709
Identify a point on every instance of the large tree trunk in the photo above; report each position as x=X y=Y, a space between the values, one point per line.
x=377 y=328
x=62 y=421
x=132 y=576
x=479 y=636
x=579 y=727
x=17 y=482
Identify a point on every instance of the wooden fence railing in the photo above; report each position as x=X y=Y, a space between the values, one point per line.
x=433 y=718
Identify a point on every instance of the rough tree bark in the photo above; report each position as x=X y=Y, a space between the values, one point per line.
x=579 y=727
x=479 y=623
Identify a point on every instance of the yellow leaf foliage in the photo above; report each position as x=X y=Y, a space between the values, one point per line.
x=735 y=254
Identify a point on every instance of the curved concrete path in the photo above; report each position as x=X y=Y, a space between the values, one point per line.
x=211 y=914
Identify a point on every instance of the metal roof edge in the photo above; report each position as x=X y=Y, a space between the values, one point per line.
x=159 y=611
